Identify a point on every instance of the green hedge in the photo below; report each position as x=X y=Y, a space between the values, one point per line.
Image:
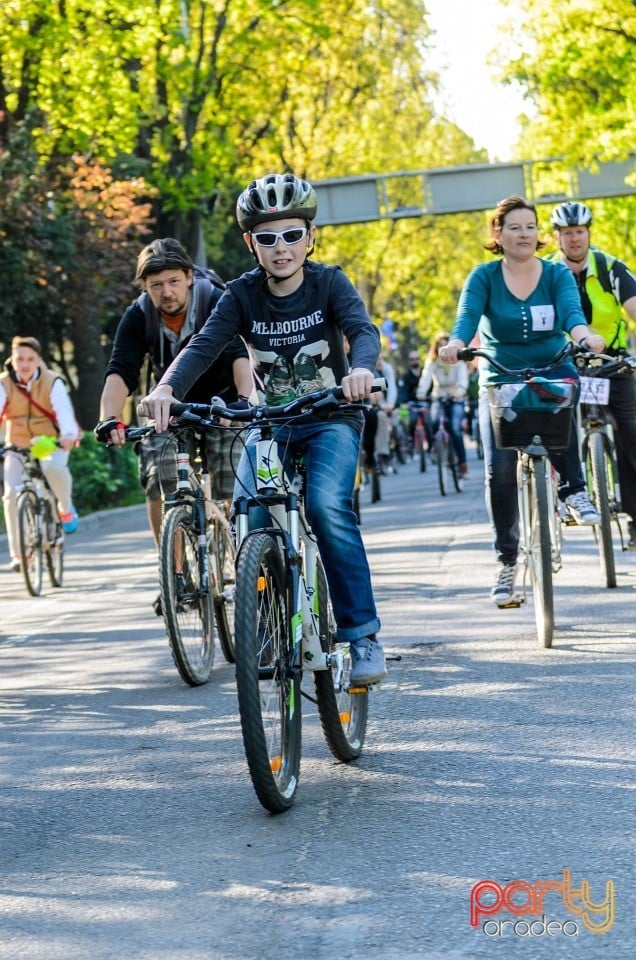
x=104 y=477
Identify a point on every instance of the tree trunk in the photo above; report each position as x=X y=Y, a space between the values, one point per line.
x=88 y=360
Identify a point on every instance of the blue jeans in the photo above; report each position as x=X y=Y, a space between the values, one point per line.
x=330 y=452
x=501 y=483
x=454 y=417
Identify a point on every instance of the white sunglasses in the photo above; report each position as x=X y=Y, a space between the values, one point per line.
x=289 y=237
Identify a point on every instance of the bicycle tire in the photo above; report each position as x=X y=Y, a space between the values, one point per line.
x=441 y=452
x=356 y=503
x=343 y=714
x=376 y=493
x=30 y=540
x=225 y=595
x=267 y=680
x=540 y=555
x=453 y=467
x=419 y=446
x=477 y=438
x=596 y=469
x=187 y=609
x=55 y=546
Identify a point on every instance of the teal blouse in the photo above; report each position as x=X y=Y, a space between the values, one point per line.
x=519 y=333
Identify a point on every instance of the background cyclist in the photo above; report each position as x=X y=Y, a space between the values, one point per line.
x=294 y=314
x=607 y=290
x=34 y=402
x=174 y=303
x=523 y=308
x=446 y=382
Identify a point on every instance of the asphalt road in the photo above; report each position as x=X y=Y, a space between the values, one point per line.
x=129 y=828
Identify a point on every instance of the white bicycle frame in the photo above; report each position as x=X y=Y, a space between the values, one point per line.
x=290 y=517
x=543 y=464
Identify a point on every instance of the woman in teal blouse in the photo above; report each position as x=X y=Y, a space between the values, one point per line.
x=523 y=311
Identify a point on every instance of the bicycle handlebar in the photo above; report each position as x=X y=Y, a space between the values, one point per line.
x=331 y=397
x=525 y=373
x=611 y=365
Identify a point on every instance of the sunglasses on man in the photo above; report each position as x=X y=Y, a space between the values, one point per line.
x=289 y=237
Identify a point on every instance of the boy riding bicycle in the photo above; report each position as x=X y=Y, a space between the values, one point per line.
x=294 y=314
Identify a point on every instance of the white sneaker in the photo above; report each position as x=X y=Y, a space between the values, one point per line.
x=503 y=591
x=581 y=508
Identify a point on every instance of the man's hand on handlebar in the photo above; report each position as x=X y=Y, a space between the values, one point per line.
x=593 y=343
x=111 y=430
x=450 y=353
x=357 y=384
x=156 y=406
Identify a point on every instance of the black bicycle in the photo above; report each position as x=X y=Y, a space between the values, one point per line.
x=40 y=531
x=196 y=556
x=598 y=450
x=444 y=449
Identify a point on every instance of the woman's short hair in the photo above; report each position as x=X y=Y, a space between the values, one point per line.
x=160 y=255
x=496 y=222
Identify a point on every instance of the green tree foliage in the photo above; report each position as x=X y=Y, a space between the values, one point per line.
x=198 y=96
x=576 y=61
x=67 y=252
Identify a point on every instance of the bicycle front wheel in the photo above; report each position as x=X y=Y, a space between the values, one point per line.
x=540 y=553
x=224 y=598
x=596 y=470
x=186 y=603
x=343 y=709
x=267 y=679
x=55 y=546
x=30 y=542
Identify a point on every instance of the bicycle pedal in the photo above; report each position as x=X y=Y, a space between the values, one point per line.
x=512 y=604
x=568 y=520
x=393 y=656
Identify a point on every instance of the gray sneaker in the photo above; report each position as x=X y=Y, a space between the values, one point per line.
x=367 y=662
x=581 y=509
x=503 y=591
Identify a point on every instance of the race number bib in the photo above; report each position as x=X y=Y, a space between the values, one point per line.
x=542 y=317
x=595 y=390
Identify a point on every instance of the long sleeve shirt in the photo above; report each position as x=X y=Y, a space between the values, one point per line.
x=295 y=342
x=519 y=333
x=449 y=381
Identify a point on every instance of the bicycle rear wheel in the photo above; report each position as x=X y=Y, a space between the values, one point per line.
x=186 y=605
x=539 y=554
x=453 y=467
x=30 y=542
x=267 y=679
x=597 y=466
x=419 y=445
x=342 y=709
x=441 y=453
x=224 y=598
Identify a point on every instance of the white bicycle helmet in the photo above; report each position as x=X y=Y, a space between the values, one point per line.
x=571 y=214
x=277 y=196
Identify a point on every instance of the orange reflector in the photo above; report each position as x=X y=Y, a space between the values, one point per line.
x=275 y=764
x=260 y=583
x=353 y=690
x=345 y=718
